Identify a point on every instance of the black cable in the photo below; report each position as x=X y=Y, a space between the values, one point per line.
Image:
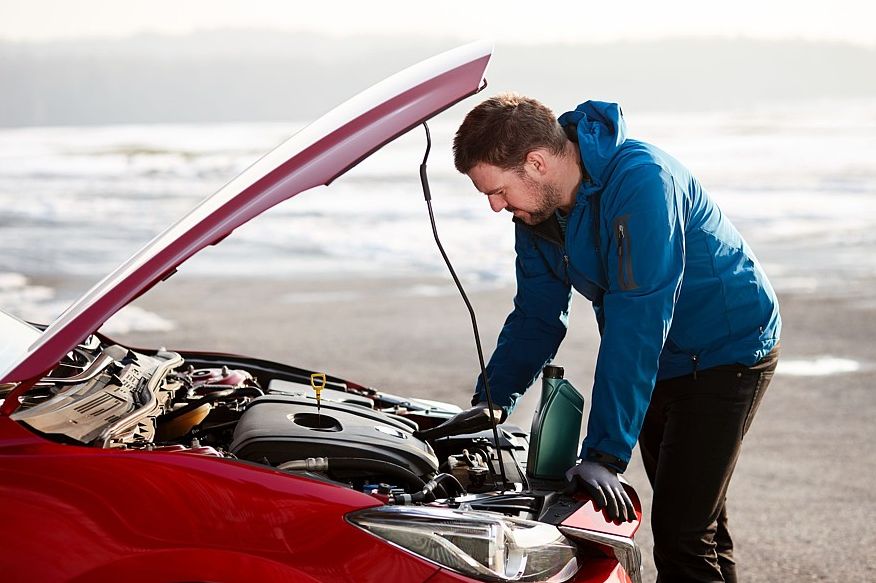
x=371 y=466
x=460 y=490
x=427 y=494
x=474 y=324
x=520 y=471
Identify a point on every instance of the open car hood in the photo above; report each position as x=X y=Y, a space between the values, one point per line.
x=315 y=156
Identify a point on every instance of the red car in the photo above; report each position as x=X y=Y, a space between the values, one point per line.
x=128 y=464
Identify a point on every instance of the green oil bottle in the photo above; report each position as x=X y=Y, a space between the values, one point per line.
x=556 y=426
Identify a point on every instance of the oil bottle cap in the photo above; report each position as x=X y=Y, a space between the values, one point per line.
x=553 y=371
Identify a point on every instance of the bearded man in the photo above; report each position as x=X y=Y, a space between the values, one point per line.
x=688 y=321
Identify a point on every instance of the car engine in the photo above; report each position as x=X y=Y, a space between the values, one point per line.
x=109 y=396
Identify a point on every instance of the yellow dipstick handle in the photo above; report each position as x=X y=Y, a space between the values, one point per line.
x=317 y=381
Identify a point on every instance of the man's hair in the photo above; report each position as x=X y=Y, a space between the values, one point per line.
x=502 y=130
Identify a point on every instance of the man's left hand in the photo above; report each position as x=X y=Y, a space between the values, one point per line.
x=603 y=486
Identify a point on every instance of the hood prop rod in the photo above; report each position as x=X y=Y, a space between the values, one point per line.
x=427 y=194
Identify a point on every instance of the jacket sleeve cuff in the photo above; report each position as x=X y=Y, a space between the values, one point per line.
x=607 y=460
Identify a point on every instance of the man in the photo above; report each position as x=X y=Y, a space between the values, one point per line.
x=689 y=323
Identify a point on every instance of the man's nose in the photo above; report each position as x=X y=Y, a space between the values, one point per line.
x=497 y=202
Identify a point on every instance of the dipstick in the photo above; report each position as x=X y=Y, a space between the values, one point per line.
x=317 y=381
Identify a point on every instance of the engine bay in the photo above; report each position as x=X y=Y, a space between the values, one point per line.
x=108 y=396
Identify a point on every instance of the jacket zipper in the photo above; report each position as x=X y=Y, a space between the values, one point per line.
x=624 y=259
x=694 y=358
x=620 y=256
x=561 y=244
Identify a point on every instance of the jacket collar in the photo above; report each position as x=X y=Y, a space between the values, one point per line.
x=548 y=229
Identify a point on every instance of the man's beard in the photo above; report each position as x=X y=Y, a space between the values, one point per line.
x=548 y=201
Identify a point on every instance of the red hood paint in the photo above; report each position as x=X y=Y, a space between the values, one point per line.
x=587 y=517
x=315 y=156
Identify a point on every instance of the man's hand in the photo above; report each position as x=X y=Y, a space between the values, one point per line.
x=604 y=488
x=477 y=418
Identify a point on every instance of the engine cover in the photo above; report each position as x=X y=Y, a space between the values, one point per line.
x=283 y=428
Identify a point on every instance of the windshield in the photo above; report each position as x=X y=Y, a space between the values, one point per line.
x=15 y=337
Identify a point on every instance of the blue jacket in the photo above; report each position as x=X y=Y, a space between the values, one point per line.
x=674 y=286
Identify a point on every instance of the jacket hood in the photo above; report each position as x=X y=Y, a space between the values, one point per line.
x=601 y=130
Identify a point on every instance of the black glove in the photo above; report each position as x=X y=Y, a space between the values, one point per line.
x=603 y=486
x=471 y=420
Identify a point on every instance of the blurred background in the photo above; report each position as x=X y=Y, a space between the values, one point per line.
x=118 y=117
x=115 y=118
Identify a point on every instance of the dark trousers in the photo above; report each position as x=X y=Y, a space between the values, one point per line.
x=690 y=441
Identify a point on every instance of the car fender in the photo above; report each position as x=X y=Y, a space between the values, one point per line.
x=193 y=565
x=76 y=510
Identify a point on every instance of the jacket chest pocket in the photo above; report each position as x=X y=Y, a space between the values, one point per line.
x=624 y=261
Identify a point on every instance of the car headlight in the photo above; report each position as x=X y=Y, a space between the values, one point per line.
x=484 y=545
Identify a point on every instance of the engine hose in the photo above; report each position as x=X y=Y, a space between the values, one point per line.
x=209 y=398
x=460 y=489
x=427 y=494
x=253 y=390
x=323 y=464
x=442 y=492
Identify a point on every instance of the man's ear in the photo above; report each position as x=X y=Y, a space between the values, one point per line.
x=537 y=161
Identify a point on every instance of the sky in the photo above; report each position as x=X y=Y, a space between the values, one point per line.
x=527 y=22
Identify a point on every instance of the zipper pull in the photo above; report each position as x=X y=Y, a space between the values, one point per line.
x=621 y=274
x=696 y=363
x=566 y=264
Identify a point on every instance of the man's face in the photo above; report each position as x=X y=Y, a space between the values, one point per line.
x=525 y=194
